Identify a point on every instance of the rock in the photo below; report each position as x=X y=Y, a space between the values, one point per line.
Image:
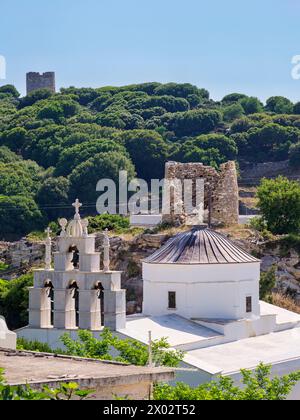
x=151 y=240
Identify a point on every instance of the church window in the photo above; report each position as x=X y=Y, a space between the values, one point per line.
x=172 y=300
x=249 y=304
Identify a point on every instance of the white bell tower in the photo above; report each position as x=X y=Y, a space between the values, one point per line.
x=76 y=293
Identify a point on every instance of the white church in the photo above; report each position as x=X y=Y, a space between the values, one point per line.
x=201 y=292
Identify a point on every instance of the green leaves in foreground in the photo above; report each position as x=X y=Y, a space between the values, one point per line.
x=66 y=391
x=255 y=385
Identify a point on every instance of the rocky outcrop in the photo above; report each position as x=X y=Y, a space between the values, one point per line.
x=287 y=261
x=127 y=256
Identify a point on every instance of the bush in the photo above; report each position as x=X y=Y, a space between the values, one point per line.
x=14 y=300
x=267 y=283
x=19 y=215
x=113 y=222
x=294 y=155
x=279 y=203
x=129 y=351
x=256 y=385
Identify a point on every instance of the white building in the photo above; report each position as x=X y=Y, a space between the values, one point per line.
x=201 y=291
x=202 y=275
x=8 y=339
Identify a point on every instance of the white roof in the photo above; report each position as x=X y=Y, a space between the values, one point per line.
x=176 y=329
x=247 y=354
x=283 y=316
x=222 y=358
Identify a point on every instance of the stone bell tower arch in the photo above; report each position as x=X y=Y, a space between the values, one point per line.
x=79 y=306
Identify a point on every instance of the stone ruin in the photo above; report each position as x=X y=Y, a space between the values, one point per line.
x=221 y=194
x=36 y=81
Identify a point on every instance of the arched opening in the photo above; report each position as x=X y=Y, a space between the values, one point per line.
x=100 y=294
x=49 y=296
x=75 y=258
x=74 y=304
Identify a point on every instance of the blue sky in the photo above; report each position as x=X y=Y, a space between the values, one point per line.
x=224 y=46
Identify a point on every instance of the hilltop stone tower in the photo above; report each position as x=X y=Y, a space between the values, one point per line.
x=35 y=81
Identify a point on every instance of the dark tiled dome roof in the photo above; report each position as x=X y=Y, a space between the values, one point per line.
x=200 y=246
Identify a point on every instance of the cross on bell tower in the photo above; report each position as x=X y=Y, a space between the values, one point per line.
x=77 y=206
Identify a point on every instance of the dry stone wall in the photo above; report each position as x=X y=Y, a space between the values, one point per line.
x=222 y=185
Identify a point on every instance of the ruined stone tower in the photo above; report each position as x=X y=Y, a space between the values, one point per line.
x=220 y=190
x=35 y=81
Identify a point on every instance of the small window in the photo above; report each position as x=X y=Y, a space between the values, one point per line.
x=172 y=300
x=248 y=304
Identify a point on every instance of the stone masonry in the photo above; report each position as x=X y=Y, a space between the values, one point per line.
x=221 y=186
x=35 y=81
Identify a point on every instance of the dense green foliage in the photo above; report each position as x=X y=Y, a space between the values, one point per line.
x=113 y=222
x=256 y=385
x=279 y=203
x=54 y=147
x=14 y=298
x=128 y=351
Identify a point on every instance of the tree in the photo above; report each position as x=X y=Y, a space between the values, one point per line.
x=279 y=105
x=7 y=156
x=271 y=142
x=16 y=138
x=181 y=90
x=192 y=123
x=128 y=351
x=225 y=145
x=210 y=149
x=14 y=300
x=296 y=109
x=255 y=385
x=294 y=155
x=267 y=283
x=233 y=112
x=35 y=96
x=251 y=105
x=56 y=110
x=53 y=111
x=279 y=203
x=53 y=196
x=19 y=215
x=114 y=222
x=20 y=178
x=9 y=90
x=233 y=97
x=73 y=156
x=148 y=152
x=85 y=176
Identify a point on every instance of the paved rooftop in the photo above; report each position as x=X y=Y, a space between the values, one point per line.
x=247 y=354
x=283 y=316
x=177 y=329
x=40 y=368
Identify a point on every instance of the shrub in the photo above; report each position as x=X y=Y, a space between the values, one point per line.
x=113 y=222
x=279 y=203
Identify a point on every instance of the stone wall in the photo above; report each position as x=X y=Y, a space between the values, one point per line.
x=222 y=185
x=35 y=81
x=252 y=172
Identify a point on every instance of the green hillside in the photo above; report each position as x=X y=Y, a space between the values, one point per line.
x=54 y=147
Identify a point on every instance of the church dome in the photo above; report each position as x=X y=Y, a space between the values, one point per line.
x=200 y=245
